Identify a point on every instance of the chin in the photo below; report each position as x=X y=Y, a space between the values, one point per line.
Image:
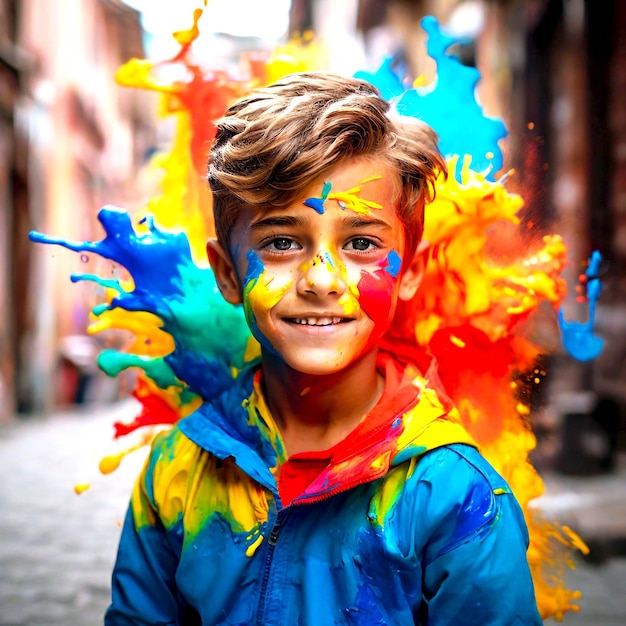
x=313 y=367
x=321 y=363
x=309 y=362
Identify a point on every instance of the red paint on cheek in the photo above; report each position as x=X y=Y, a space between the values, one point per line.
x=376 y=295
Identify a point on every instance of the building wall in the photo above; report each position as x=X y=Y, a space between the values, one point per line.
x=617 y=130
x=87 y=141
x=13 y=196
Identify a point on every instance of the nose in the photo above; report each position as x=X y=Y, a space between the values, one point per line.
x=324 y=275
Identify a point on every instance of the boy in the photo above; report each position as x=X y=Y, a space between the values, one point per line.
x=331 y=484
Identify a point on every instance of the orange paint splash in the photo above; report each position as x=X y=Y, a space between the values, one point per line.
x=470 y=312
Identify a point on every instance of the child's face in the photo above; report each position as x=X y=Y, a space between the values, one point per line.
x=320 y=281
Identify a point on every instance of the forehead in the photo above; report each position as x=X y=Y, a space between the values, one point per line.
x=359 y=184
x=361 y=187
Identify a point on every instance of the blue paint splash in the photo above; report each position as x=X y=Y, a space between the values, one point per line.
x=385 y=79
x=578 y=338
x=210 y=335
x=318 y=203
x=449 y=105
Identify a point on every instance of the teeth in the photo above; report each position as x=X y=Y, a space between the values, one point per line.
x=317 y=321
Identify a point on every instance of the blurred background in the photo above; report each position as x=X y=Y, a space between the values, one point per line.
x=71 y=141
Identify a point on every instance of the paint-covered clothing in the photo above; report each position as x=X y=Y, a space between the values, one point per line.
x=408 y=524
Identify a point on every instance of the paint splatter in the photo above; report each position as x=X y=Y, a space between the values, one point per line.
x=578 y=338
x=318 y=203
x=394 y=263
x=210 y=336
x=449 y=105
x=350 y=199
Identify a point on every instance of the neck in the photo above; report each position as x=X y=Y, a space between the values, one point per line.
x=316 y=412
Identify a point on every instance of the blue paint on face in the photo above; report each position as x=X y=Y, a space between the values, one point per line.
x=171 y=286
x=318 y=203
x=577 y=338
x=394 y=263
x=254 y=270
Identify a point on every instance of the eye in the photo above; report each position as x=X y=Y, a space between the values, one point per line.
x=361 y=244
x=281 y=244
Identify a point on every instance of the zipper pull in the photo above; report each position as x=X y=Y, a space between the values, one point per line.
x=278 y=524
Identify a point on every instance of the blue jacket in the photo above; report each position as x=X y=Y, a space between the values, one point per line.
x=410 y=526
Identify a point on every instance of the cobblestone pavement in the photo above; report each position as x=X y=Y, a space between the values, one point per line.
x=57 y=549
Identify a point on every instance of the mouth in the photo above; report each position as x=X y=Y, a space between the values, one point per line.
x=318 y=321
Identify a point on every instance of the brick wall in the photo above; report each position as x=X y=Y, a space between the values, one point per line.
x=617 y=125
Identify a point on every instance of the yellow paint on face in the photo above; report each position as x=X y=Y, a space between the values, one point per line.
x=351 y=199
x=325 y=259
x=267 y=292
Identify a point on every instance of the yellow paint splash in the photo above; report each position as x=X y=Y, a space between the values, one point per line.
x=351 y=199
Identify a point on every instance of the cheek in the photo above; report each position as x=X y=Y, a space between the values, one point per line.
x=262 y=289
x=377 y=295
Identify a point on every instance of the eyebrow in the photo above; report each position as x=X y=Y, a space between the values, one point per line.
x=350 y=221
x=277 y=220
x=359 y=221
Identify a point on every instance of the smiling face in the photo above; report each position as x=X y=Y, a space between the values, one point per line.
x=320 y=280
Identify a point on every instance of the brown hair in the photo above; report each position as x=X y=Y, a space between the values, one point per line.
x=271 y=144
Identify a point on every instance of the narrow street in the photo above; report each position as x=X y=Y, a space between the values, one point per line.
x=57 y=549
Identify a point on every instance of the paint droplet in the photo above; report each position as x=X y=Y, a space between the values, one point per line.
x=81 y=488
x=84 y=258
x=489 y=155
x=522 y=409
x=537 y=381
x=253 y=547
x=305 y=391
x=531 y=125
x=110 y=463
x=457 y=342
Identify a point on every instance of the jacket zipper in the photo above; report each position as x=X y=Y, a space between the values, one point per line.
x=271 y=547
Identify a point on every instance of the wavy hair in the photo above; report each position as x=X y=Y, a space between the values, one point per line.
x=273 y=143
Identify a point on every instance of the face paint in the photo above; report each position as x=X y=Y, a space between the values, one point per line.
x=260 y=294
x=377 y=290
x=346 y=199
x=352 y=200
x=318 y=203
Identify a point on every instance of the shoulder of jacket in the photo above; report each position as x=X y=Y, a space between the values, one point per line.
x=455 y=493
x=462 y=462
x=171 y=453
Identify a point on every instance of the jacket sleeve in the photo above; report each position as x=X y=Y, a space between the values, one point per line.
x=143 y=582
x=475 y=569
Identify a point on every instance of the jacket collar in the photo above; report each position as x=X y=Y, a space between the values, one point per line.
x=413 y=415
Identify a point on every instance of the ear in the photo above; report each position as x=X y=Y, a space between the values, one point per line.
x=413 y=273
x=225 y=271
